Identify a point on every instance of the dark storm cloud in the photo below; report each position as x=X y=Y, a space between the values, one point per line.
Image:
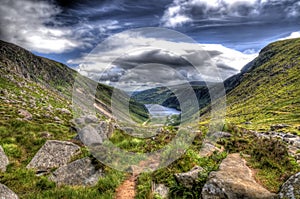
x=229 y=12
x=151 y=56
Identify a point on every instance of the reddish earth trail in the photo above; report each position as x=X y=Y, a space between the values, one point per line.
x=127 y=189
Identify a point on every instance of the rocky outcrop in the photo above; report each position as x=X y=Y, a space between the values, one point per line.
x=80 y=172
x=292 y=141
x=6 y=193
x=52 y=155
x=189 y=178
x=3 y=160
x=161 y=190
x=291 y=188
x=233 y=180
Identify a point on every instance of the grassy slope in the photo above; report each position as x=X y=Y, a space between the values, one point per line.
x=41 y=86
x=269 y=93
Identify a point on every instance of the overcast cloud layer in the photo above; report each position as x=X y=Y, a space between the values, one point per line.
x=231 y=31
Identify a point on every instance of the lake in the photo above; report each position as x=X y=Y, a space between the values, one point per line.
x=157 y=110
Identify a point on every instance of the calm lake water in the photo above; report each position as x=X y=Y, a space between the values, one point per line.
x=157 y=110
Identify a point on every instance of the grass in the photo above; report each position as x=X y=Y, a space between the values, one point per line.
x=269 y=93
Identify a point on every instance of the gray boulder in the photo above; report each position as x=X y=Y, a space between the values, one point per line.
x=90 y=136
x=161 y=190
x=234 y=180
x=291 y=188
x=52 y=155
x=25 y=114
x=3 y=160
x=6 y=193
x=189 y=178
x=78 y=173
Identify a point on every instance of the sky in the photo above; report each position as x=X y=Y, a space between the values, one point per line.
x=79 y=33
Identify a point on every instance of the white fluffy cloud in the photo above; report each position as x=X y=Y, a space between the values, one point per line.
x=184 y=11
x=293 y=35
x=31 y=24
x=134 y=60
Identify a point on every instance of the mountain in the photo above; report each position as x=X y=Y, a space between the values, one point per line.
x=59 y=78
x=267 y=90
x=166 y=95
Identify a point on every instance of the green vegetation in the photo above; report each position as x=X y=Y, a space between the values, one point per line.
x=266 y=94
x=269 y=93
x=269 y=157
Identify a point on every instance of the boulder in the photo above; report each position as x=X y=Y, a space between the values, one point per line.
x=78 y=173
x=234 y=180
x=6 y=193
x=64 y=111
x=90 y=136
x=25 y=114
x=3 y=160
x=161 y=190
x=105 y=129
x=52 y=155
x=189 y=178
x=87 y=119
x=291 y=188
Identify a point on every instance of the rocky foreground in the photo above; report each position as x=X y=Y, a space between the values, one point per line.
x=61 y=162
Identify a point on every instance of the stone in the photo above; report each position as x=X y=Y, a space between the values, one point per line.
x=219 y=135
x=52 y=155
x=291 y=188
x=208 y=149
x=64 y=111
x=78 y=173
x=105 y=129
x=25 y=114
x=234 y=180
x=90 y=136
x=84 y=120
x=189 y=178
x=6 y=193
x=3 y=160
x=278 y=126
x=161 y=190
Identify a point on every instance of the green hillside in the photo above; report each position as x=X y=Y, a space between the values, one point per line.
x=268 y=90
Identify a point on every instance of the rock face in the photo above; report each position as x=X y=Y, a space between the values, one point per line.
x=80 y=172
x=291 y=188
x=3 y=160
x=189 y=178
x=53 y=154
x=6 y=193
x=234 y=180
x=161 y=190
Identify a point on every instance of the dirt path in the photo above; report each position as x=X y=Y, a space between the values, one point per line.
x=127 y=189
